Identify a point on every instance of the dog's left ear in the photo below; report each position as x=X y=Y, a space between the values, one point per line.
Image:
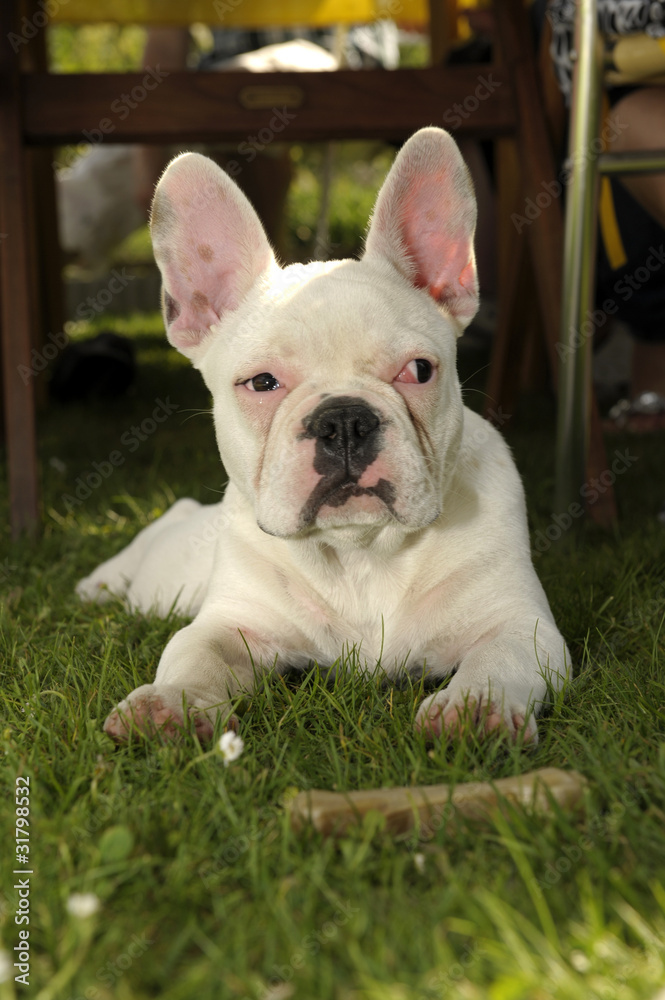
x=424 y=222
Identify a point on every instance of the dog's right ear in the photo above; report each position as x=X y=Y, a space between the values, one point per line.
x=209 y=245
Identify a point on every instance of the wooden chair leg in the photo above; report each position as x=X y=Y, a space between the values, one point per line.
x=15 y=282
x=503 y=382
x=49 y=255
x=45 y=250
x=513 y=348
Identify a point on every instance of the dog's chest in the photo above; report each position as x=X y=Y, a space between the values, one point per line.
x=365 y=604
x=342 y=605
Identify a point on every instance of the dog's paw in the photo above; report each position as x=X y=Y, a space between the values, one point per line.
x=448 y=715
x=158 y=710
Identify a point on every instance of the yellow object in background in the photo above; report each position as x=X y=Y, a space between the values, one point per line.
x=242 y=13
x=609 y=227
x=636 y=57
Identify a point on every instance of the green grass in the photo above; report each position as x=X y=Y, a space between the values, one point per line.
x=205 y=891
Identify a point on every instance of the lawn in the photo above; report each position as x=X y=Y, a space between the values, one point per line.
x=202 y=889
x=157 y=871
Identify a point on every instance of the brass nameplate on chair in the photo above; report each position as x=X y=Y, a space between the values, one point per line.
x=259 y=96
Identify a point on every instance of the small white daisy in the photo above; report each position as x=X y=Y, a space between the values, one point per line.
x=6 y=966
x=83 y=904
x=579 y=961
x=231 y=746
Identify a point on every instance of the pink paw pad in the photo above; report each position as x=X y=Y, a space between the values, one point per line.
x=487 y=720
x=143 y=716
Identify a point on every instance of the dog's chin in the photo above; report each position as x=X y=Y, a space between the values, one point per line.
x=357 y=520
x=355 y=513
x=371 y=514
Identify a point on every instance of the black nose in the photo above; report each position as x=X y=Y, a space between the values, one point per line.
x=347 y=433
x=342 y=425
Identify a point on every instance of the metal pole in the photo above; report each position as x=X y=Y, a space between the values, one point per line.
x=579 y=262
x=641 y=161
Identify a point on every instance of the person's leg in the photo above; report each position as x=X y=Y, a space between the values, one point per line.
x=647 y=368
x=644 y=110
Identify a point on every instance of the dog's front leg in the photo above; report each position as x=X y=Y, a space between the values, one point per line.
x=499 y=686
x=199 y=673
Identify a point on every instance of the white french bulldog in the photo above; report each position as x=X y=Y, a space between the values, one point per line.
x=366 y=506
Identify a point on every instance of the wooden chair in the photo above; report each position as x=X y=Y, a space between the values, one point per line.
x=38 y=109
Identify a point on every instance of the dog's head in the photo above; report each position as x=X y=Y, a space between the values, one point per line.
x=336 y=399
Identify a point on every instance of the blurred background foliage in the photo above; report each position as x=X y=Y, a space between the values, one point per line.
x=95 y=48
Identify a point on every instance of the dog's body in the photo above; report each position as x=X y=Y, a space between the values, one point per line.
x=366 y=506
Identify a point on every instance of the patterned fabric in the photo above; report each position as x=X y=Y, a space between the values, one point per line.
x=615 y=17
x=632 y=291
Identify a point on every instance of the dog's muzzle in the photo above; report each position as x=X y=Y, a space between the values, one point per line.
x=348 y=438
x=347 y=434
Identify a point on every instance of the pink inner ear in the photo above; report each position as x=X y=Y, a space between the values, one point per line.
x=447 y=274
x=437 y=229
x=209 y=245
x=196 y=294
x=202 y=271
x=424 y=222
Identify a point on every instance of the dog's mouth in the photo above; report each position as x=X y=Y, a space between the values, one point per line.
x=337 y=490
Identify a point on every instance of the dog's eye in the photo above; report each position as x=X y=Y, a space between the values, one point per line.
x=418 y=370
x=265 y=382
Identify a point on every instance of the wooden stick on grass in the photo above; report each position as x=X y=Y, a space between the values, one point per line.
x=432 y=806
